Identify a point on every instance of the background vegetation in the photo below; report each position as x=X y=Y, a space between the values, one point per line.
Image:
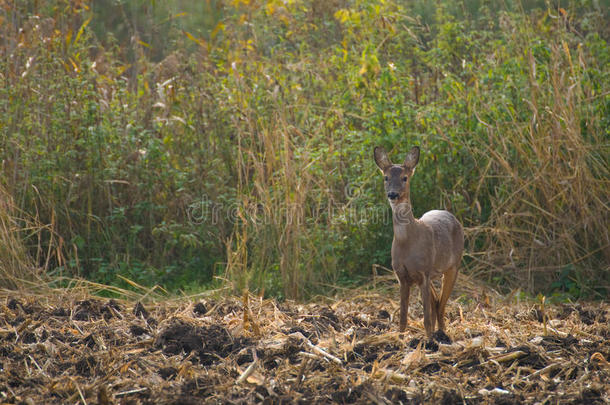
x=187 y=143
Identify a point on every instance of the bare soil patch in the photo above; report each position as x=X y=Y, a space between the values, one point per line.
x=60 y=349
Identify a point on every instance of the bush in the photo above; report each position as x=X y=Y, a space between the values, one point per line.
x=242 y=149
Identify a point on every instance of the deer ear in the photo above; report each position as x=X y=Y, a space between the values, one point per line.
x=381 y=158
x=412 y=158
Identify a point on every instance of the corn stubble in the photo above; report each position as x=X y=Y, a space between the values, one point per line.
x=71 y=348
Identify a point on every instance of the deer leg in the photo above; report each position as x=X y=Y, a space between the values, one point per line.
x=426 y=297
x=435 y=305
x=448 y=283
x=405 y=290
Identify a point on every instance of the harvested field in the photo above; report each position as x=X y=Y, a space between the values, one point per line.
x=64 y=349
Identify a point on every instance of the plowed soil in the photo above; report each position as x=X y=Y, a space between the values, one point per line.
x=63 y=350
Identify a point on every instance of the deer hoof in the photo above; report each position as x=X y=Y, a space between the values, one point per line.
x=441 y=337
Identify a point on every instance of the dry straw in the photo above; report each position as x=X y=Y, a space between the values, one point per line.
x=551 y=179
x=17 y=269
x=88 y=350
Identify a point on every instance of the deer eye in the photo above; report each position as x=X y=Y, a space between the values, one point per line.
x=385 y=178
x=404 y=178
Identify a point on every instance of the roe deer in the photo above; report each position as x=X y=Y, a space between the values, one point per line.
x=423 y=249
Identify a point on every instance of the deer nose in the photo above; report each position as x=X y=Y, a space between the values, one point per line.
x=392 y=195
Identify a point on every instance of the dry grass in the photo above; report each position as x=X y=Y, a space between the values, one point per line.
x=551 y=178
x=70 y=347
x=282 y=136
x=271 y=237
x=16 y=266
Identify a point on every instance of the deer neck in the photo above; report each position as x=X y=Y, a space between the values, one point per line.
x=403 y=220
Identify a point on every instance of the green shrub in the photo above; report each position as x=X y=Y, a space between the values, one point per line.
x=234 y=142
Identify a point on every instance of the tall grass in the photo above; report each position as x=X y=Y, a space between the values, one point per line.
x=244 y=155
x=16 y=266
x=549 y=168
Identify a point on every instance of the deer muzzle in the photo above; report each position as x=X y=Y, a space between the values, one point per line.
x=392 y=195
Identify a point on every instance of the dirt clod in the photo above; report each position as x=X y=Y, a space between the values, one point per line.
x=200 y=309
x=29 y=337
x=167 y=372
x=450 y=397
x=211 y=344
x=396 y=395
x=531 y=358
x=85 y=366
x=89 y=341
x=137 y=330
x=428 y=345
x=59 y=312
x=13 y=304
x=87 y=310
x=140 y=311
x=441 y=337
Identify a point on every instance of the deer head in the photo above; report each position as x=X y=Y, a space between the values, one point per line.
x=396 y=178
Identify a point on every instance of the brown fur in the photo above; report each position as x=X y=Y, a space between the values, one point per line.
x=423 y=249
